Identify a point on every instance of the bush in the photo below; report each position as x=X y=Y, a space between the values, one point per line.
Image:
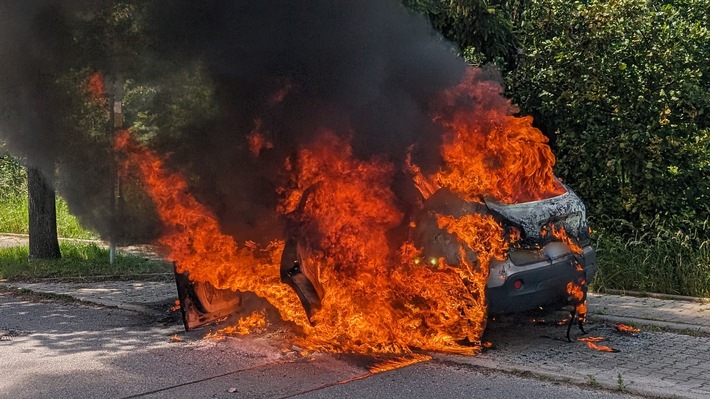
x=621 y=86
x=483 y=30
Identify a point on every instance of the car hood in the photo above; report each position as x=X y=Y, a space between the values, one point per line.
x=566 y=210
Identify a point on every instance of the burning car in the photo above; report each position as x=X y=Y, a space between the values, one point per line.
x=549 y=248
x=541 y=260
x=370 y=268
x=537 y=270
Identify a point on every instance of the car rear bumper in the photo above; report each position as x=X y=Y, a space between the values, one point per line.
x=540 y=284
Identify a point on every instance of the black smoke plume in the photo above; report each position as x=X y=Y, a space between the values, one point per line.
x=362 y=69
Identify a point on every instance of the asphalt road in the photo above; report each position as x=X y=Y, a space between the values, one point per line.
x=51 y=349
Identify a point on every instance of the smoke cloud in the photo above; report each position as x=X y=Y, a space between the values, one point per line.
x=362 y=69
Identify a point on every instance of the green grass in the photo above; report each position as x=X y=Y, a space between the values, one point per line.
x=68 y=226
x=78 y=260
x=13 y=203
x=15 y=219
x=678 y=264
x=14 y=215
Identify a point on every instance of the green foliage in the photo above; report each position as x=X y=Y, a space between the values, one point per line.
x=621 y=385
x=78 y=260
x=623 y=86
x=13 y=179
x=68 y=226
x=14 y=215
x=180 y=99
x=481 y=28
x=676 y=264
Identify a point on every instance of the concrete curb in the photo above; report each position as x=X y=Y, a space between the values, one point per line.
x=673 y=326
x=148 y=310
x=119 y=305
x=640 y=294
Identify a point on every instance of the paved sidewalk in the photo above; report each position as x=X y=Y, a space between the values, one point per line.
x=151 y=297
x=680 y=315
x=146 y=251
x=12 y=240
x=147 y=296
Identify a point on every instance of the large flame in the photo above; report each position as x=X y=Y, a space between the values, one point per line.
x=195 y=243
x=489 y=152
x=376 y=294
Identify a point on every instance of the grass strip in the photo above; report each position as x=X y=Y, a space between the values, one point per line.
x=675 y=265
x=15 y=219
x=79 y=260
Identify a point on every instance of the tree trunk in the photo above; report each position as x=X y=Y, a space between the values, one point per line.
x=42 y=216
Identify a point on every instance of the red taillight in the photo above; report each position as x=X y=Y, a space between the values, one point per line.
x=518 y=284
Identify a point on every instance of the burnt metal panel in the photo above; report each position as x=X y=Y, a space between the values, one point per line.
x=201 y=303
x=566 y=209
x=301 y=277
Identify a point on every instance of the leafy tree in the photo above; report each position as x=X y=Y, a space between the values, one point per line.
x=482 y=29
x=53 y=51
x=622 y=85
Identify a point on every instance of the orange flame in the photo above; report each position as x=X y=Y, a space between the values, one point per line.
x=560 y=233
x=620 y=327
x=194 y=242
x=425 y=185
x=257 y=140
x=375 y=301
x=95 y=87
x=575 y=289
x=591 y=342
x=399 y=362
x=491 y=153
x=577 y=293
x=255 y=323
x=377 y=298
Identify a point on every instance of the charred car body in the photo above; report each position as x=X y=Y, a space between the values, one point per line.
x=535 y=272
x=539 y=263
